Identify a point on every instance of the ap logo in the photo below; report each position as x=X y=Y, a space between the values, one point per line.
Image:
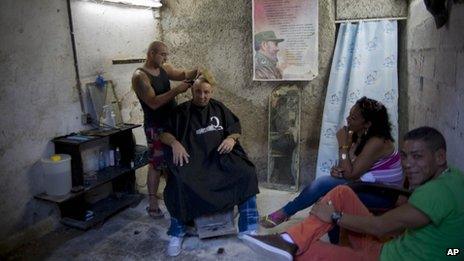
x=452 y=252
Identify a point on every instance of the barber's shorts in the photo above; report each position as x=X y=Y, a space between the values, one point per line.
x=155 y=148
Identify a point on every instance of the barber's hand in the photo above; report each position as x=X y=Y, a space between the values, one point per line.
x=198 y=72
x=226 y=146
x=183 y=87
x=193 y=74
x=179 y=154
x=323 y=210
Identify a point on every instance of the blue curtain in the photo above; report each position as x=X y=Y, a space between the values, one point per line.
x=364 y=64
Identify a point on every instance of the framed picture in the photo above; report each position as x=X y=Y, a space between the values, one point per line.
x=285 y=40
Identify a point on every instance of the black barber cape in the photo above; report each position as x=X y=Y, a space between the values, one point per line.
x=210 y=182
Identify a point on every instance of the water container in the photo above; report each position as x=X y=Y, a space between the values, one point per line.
x=57 y=174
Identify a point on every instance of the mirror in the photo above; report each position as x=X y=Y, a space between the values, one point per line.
x=103 y=96
x=283 y=138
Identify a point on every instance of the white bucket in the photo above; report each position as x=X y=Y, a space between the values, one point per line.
x=57 y=174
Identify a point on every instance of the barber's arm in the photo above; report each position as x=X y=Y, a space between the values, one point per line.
x=228 y=143
x=178 y=74
x=179 y=154
x=391 y=223
x=143 y=90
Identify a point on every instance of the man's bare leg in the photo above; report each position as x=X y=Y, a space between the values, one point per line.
x=153 y=179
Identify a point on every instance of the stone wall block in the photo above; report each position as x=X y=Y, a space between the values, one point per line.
x=445 y=67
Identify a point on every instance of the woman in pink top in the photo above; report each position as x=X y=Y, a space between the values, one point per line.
x=366 y=152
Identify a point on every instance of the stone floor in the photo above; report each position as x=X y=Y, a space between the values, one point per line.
x=132 y=235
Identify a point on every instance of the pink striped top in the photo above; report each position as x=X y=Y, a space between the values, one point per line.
x=386 y=171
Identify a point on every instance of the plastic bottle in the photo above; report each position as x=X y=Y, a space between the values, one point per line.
x=108 y=117
x=100 y=81
x=113 y=119
x=111 y=158
x=102 y=121
x=101 y=160
x=117 y=157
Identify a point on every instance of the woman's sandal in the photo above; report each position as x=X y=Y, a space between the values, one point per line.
x=272 y=220
x=154 y=213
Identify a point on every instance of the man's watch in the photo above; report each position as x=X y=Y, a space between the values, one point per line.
x=344 y=156
x=234 y=138
x=336 y=216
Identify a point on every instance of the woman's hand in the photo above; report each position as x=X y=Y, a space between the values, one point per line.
x=323 y=210
x=226 y=146
x=336 y=172
x=179 y=154
x=344 y=136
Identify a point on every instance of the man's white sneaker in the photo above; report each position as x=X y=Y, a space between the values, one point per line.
x=253 y=232
x=174 y=246
x=271 y=247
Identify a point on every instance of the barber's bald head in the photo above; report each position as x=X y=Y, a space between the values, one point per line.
x=156 y=46
x=157 y=54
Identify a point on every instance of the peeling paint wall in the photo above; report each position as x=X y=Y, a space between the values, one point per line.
x=106 y=32
x=435 y=75
x=38 y=101
x=38 y=97
x=217 y=34
x=362 y=9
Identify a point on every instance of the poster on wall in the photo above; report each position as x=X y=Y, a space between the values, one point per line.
x=285 y=40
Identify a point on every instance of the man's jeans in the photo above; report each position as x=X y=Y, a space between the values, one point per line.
x=247 y=221
x=321 y=186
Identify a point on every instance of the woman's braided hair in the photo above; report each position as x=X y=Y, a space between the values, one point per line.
x=377 y=114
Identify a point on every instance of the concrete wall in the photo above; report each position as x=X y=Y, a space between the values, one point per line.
x=38 y=97
x=435 y=75
x=38 y=101
x=362 y=9
x=106 y=32
x=217 y=34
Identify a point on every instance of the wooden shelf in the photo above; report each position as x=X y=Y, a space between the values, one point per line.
x=92 y=135
x=74 y=206
x=102 y=210
x=101 y=177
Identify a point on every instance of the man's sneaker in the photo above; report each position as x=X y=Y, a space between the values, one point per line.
x=252 y=232
x=272 y=247
x=174 y=246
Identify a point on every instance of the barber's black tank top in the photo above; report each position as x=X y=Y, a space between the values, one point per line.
x=160 y=85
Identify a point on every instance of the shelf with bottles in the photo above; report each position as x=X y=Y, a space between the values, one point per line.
x=85 y=149
x=100 y=158
x=93 y=179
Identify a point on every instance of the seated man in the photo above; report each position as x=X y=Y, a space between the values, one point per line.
x=209 y=170
x=426 y=227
